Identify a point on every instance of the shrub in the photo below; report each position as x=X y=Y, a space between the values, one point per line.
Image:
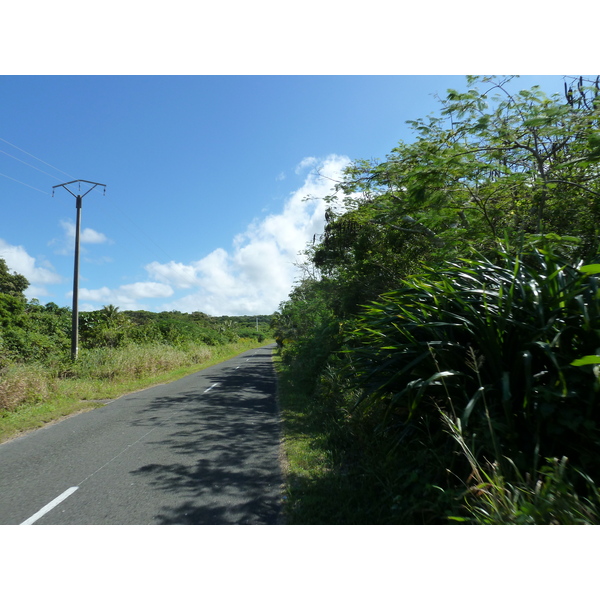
x=493 y=344
x=23 y=384
x=134 y=360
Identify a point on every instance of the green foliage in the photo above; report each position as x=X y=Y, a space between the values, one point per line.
x=457 y=276
x=180 y=328
x=30 y=331
x=361 y=255
x=12 y=284
x=492 y=341
x=307 y=310
x=491 y=162
x=549 y=497
x=12 y=310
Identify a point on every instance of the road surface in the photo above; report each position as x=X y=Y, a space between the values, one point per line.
x=201 y=450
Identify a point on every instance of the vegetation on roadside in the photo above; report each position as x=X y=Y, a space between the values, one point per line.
x=441 y=360
x=119 y=352
x=33 y=395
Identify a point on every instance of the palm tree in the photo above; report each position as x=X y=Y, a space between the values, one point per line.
x=112 y=314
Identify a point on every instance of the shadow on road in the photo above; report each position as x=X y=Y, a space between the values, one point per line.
x=217 y=460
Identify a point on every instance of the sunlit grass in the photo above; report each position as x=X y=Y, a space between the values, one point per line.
x=326 y=482
x=32 y=396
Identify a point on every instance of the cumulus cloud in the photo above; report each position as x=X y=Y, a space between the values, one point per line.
x=255 y=275
x=305 y=163
x=39 y=275
x=66 y=244
x=260 y=270
x=127 y=297
x=102 y=294
x=177 y=274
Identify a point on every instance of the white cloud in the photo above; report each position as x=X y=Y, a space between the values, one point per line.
x=18 y=260
x=260 y=271
x=254 y=276
x=99 y=295
x=87 y=236
x=126 y=297
x=305 y=163
x=146 y=289
x=177 y=274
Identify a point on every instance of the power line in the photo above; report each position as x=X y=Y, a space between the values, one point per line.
x=29 y=186
x=36 y=158
x=115 y=205
x=32 y=166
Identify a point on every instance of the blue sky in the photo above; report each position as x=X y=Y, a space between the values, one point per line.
x=205 y=177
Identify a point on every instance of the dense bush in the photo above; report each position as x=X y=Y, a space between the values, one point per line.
x=493 y=344
x=450 y=354
x=24 y=384
x=32 y=332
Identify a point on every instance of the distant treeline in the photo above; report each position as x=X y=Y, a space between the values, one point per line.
x=30 y=331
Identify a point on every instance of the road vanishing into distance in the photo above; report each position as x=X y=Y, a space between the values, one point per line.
x=203 y=450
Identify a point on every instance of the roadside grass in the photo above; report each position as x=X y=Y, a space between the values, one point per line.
x=32 y=396
x=330 y=479
x=307 y=464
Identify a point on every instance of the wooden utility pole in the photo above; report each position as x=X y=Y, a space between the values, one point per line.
x=75 y=316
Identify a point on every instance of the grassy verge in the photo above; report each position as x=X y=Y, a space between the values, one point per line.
x=330 y=478
x=340 y=471
x=32 y=396
x=305 y=457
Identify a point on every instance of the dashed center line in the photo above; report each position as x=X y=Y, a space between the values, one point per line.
x=40 y=513
x=54 y=503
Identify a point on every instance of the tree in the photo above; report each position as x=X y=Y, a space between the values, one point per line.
x=13 y=283
x=361 y=256
x=422 y=313
x=491 y=164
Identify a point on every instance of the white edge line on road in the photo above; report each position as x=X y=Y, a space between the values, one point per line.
x=40 y=513
x=210 y=388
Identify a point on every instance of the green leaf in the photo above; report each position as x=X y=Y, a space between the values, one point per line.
x=536 y=122
x=591 y=359
x=590 y=269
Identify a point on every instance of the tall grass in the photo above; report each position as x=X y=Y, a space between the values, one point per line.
x=502 y=339
x=34 y=394
x=24 y=384
x=135 y=361
x=547 y=497
x=508 y=350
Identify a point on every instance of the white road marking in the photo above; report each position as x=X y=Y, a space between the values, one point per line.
x=46 y=509
x=40 y=513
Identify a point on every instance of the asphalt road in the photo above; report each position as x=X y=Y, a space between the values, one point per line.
x=203 y=450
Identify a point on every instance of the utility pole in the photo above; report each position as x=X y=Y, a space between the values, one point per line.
x=78 y=199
